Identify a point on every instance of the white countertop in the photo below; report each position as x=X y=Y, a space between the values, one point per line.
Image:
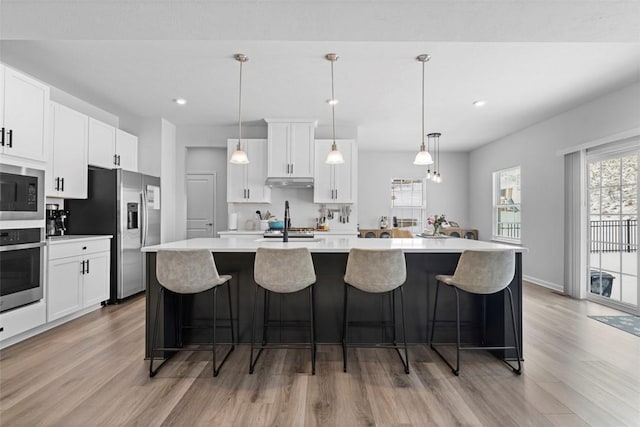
x=335 y=244
x=319 y=233
x=56 y=240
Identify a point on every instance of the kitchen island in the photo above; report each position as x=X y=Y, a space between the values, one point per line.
x=425 y=259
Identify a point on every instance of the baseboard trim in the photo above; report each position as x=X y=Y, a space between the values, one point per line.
x=543 y=283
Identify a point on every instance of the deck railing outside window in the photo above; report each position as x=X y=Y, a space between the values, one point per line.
x=614 y=235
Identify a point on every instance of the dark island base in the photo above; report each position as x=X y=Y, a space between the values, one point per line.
x=419 y=294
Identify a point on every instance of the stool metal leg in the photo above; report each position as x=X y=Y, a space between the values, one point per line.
x=252 y=362
x=515 y=335
x=456 y=369
x=345 y=327
x=153 y=373
x=405 y=362
x=313 y=332
x=265 y=319
x=215 y=293
x=435 y=308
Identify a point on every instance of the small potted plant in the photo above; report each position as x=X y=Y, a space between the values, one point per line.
x=436 y=221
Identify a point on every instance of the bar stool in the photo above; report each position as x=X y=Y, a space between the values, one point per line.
x=189 y=272
x=485 y=273
x=376 y=271
x=282 y=271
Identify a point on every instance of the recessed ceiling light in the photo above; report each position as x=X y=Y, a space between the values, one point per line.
x=479 y=103
x=332 y=101
x=180 y=101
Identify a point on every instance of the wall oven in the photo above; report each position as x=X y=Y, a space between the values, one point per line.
x=21 y=193
x=21 y=266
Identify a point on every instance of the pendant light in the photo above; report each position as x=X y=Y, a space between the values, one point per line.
x=239 y=157
x=435 y=177
x=335 y=156
x=423 y=157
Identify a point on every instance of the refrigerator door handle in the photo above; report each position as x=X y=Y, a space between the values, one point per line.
x=145 y=219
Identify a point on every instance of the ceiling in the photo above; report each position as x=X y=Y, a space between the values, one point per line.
x=377 y=81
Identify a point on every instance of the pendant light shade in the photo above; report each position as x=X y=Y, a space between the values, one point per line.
x=423 y=157
x=239 y=157
x=335 y=156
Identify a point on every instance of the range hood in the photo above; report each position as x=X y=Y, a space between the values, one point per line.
x=289 y=182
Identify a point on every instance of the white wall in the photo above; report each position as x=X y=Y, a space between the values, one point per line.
x=210 y=160
x=534 y=149
x=83 y=107
x=149 y=153
x=168 y=186
x=303 y=210
x=199 y=136
x=377 y=168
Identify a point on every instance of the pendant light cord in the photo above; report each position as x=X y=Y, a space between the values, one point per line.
x=423 y=105
x=333 y=109
x=240 y=110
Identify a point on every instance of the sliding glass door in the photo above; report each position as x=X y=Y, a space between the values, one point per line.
x=613 y=229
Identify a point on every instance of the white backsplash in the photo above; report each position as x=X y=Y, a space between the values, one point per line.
x=301 y=207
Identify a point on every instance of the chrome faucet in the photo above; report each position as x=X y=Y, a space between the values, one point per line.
x=285 y=233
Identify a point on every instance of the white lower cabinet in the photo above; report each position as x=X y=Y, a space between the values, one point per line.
x=78 y=276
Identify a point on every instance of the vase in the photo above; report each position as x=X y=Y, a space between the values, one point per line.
x=436 y=230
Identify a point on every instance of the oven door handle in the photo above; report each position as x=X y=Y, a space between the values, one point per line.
x=22 y=246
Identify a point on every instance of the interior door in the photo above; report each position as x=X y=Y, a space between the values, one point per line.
x=613 y=229
x=201 y=196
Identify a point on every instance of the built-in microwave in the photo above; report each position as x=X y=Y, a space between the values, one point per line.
x=21 y=193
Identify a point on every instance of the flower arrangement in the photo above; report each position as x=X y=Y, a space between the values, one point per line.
x=437 y=221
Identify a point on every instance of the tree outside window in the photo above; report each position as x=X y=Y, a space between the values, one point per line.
x=507 y=205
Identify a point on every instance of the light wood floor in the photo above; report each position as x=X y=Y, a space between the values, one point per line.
x=91 y=372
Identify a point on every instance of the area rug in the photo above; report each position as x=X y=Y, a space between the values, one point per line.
x=629 y=324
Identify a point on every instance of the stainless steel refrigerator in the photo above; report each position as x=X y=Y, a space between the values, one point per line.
x=127 y=206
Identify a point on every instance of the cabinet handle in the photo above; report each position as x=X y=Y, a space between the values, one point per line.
x=61 y=184
x=87 y=266
x=10 y=144
x=118 y=159
x=115 y=159
x=2 y=139
x=291 y=168
x=83 y=261
x=57 y=184
x=248 y=193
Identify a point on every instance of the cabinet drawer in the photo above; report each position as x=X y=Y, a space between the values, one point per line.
x=18 y=320
x=69 y=249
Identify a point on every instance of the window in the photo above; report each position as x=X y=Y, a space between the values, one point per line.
x=506 y=205
x=408 y=204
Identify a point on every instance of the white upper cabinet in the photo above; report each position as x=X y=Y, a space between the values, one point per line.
x=67 y=171
x=126 y=151
x=24 y=115
x=102 y=144
x=246 y=183
x=112 y=148
x=334 y=183
x=290 y=148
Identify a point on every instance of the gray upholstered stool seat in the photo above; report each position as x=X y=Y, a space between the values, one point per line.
x=376 y=271
x=484 y=273
x=282 y=271
x=189 y=271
